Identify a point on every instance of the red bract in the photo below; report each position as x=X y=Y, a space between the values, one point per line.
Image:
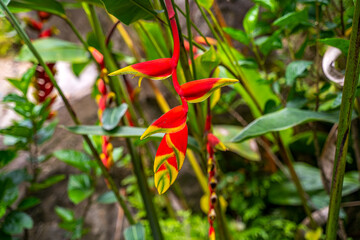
x=169 y=159
x=44 y=16
x=215 y=143
x=170 y=122
x=199 y=90
x=155 y=69
x=99 y=58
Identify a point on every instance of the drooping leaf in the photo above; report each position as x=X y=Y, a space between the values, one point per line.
x=107 y=198
x=28 y=202
x=340 y=43
x=79 y=188
x=129 y=11
x=237 y=35
x=45 y=133
x=123 y=131
x=50 y=6
x=281 y=120
x=53 y=50
x=268 y=43
x=66 y=215
x=15 y=223
x=269 y=4
x=111 y=116
x=74 y=158
x=135 y=232
x=6 y=156
x=8 y=191
x=47 y=183
x=295 y=69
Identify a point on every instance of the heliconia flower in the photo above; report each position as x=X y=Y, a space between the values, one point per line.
x=215 y=143
x=187 y=47
x=157 y=69
x=169 y=159
x=43 y=15
x=48 y=32
x=33 y=23
x=211 y=233
x=199 y=90
x=170 y=122
x=201 y=40
x=99 y=58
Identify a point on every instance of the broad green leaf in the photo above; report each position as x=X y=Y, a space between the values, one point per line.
x=19 y=175
x=15 y=223
x=135 y=232
x=206 y=63
x=53 y=50
x=75 y=158
x=123 y=131
x=17 y=131
x=107 y=198
x=66 y=215
x=28 y=202
x=1 y=11
x=50 y=6
x=281 y=120
x=46 y=132
x=6 y=156
x=8 y=191
x=23 y=84
x=47 y=183
x=251 y=19
x=237 y=35
x=226 y=132
x=296 y=69
x=79 y=188
x=340 y=43
x=269 y=4
x=111 y=116
x=290 y=20
x=206 y=3
x=77 y=68
x=129 y=11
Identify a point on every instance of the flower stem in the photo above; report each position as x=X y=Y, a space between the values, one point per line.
x=69 y=108
x=347 y=103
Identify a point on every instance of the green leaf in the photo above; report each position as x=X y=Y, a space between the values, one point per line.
x=269 y=4
x=340 y=43
x=226 y=132
x=129 y=11
x=6 y=156
x=206 y=63
x=1 y=11
x=50 y=6
x=206 y=3
x=8 y=191
x=123 y=131
x=290 y=20
x=28 y=202
x=77 y=68
x=15 y=223
x=47 y=183
x=23 y=84
x=79 y=188
x=135 y=232
x=53 y=50
x=111 y=116
x=237 y=35
x=269 y=43
x=66 y=215
x=251 y=19
x=107 y=198
x=281 y=120
x=296 y=69
x=75 y=158
x=46 y=133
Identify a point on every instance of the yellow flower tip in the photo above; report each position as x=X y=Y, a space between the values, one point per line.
x=220 y=146
x=140 y=79
x=122 y=71
x=228 y=80
x=91 y=49
x=150 y=130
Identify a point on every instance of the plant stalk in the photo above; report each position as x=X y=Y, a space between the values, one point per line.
x=347 y=104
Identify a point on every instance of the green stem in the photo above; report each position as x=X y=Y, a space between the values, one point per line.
x=69 y=108
x=347 y=103
x=188 y=22
x=136 y=161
